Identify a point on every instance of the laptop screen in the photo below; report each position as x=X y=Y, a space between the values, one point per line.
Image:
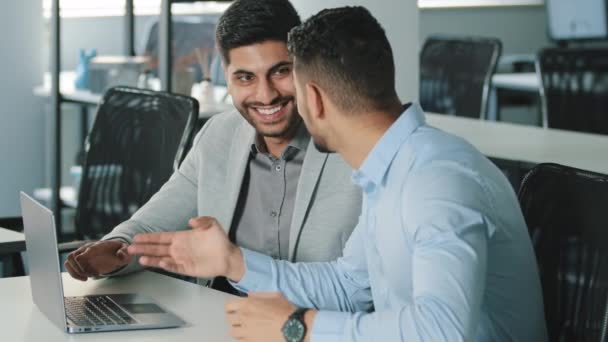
x=43 y=260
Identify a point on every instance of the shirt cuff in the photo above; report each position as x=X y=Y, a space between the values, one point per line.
x=329 y=326
x=258 y=272
x=120 y=238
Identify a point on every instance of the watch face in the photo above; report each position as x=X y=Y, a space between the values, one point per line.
x=293 y=330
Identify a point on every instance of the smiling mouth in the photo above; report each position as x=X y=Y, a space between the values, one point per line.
x=271 y=113
x=271 y=110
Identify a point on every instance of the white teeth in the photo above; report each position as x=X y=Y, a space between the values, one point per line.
x=269 y=111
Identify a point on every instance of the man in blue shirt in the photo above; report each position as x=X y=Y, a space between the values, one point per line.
x=441 y=251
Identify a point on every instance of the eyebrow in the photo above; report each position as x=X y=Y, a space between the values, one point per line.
x=278 y=66
x=272 y=69
x=242 y=71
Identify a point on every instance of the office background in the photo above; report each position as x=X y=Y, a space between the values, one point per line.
x=25 y=146
x=469 y=86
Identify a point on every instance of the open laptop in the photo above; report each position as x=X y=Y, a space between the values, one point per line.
x=79 y=314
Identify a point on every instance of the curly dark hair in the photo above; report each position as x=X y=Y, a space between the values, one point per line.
x=248 y=22
x=345 y=50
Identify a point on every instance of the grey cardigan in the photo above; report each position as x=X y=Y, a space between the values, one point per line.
x=208 y=183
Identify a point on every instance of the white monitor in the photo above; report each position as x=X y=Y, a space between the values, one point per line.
x=577 y=19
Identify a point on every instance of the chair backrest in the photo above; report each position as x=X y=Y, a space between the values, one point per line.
x=574 y=91
x=455 y=74
x=138 y=139
x=566 y=212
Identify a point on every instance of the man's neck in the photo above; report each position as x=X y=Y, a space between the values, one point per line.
x=355 y=148
x=276 y=145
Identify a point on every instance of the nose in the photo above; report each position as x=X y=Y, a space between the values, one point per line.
x=266 y=92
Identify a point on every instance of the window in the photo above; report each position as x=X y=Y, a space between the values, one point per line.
x=108 y=8
x=475 y=3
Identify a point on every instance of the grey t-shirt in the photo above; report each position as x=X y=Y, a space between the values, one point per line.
x=264 y=210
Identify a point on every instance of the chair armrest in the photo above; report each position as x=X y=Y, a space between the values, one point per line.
x=517 y=63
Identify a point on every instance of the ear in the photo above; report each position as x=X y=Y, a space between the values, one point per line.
x=315 y=100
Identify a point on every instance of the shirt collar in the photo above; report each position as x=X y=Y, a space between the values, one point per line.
x=378 y=161
x=298 y=143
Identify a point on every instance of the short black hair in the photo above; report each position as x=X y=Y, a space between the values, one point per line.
x=345 y=50
x=247 y=22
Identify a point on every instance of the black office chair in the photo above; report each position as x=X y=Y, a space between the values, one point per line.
x=574 y=92
x=565 y=209
x=455 y=74
x=138 y=139
x=12 y=223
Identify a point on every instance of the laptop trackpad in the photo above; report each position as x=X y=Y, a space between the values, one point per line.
x=145 y=308
x=137 y=304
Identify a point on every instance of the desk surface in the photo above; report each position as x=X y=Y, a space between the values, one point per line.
x=67 y=89
x=522 y=81
x=528 y=143
x=11 y=241
x=200 y=307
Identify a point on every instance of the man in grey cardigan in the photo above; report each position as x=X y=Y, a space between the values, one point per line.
x=254 y=169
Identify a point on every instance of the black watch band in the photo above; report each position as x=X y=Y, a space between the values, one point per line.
x=299 y=314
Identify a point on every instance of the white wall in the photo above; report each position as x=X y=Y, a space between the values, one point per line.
x=21 y=119
x=521 y=29
x=400 y=21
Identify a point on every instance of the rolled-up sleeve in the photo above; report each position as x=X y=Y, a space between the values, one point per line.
x=341 y=285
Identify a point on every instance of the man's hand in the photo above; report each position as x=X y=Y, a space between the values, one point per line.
x=97 y=258
x=259 y=317
x=204 y=251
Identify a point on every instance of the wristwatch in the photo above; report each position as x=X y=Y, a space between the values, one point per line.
x=294 y=330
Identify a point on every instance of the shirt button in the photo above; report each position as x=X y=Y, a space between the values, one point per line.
x=278 y=168
x=273 y=214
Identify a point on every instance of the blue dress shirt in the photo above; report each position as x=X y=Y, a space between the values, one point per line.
x=441 y=251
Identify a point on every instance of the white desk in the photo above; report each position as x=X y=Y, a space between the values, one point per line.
x=67 y=89
x=527 y=82
x=528 y=143
x=200 y=307
x=11 y=241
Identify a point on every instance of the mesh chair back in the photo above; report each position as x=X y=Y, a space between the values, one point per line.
x=574 y=90
x=139 y=137
x=455 y=74
x=565 y=209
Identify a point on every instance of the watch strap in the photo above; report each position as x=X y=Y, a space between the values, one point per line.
x=298 y=314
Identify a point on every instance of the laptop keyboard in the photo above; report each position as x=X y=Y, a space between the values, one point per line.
x=96 y=310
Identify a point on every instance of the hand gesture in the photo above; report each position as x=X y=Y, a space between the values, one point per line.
x=204 y=251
